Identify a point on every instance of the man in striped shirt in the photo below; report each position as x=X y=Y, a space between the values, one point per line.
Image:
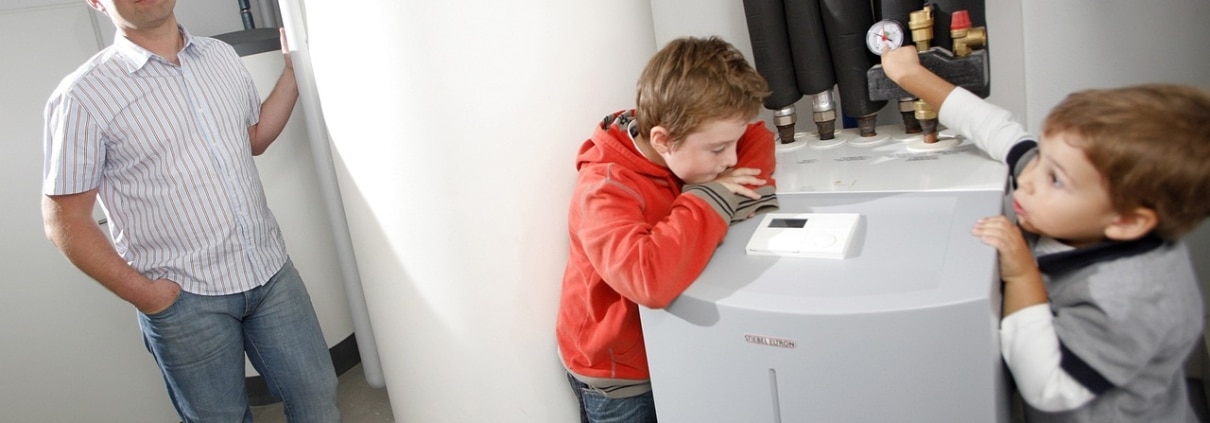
x=161 y=126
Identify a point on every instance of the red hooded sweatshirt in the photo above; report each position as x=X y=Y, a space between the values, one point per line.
x=639 y=235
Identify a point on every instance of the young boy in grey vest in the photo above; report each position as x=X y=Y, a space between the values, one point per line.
x=1101 y=306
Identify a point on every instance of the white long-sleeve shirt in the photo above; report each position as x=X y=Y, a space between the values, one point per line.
x=1027 y=337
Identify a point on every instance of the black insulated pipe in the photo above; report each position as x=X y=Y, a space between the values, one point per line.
x=809 y=46
x=771 y=51
x=771 y=54
x=898 y=11
x=245 y=13
x=846 y=23
x=812 y=62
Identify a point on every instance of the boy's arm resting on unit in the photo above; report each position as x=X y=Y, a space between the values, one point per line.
x=1031 y=349
x=756 y=150
x=651 y=264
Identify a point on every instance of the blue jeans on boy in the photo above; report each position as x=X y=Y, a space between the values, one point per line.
x=595 y=407
x=199 y=343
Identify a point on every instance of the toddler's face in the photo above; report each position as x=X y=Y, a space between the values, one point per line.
x=707 y=152
x=1061 y=195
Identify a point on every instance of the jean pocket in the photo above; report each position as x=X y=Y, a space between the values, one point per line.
x=172 y=308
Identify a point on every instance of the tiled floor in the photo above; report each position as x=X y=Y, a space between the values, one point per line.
x=358 y=401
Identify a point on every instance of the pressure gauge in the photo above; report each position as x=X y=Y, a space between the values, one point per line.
x=884 y=34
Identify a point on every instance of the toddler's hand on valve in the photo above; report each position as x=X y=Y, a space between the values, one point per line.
x=737 y=180
x=900 y=61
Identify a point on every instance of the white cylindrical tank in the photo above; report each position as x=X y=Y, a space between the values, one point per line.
x=454 y=127
x=287 y=171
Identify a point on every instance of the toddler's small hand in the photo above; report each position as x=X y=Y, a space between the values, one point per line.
x=898 y=62
x=1015 y=258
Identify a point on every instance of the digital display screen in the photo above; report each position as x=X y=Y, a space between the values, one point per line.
x=787 y=223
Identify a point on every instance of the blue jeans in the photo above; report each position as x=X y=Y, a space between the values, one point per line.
x=595 y=407
x=199 y=343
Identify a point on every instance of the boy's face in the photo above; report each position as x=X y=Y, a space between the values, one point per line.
x=1061 y=195
x=705 y=153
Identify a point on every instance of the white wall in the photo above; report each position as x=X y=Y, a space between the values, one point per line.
x=1074 y=45
x=455 y=126
x=72 y=351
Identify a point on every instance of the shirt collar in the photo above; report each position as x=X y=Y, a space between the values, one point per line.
x=1060 y=263
x=135 y=56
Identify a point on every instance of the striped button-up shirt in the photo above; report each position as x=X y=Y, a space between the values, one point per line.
x=167 y=148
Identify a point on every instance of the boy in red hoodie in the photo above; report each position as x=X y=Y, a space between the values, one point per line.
x=658 y=187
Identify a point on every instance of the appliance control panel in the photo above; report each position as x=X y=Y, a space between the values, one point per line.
x=811 y=235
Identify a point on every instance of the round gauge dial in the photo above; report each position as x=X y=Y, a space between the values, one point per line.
x=886 y=34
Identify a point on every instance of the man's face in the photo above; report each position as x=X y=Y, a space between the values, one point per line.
x=136 y=14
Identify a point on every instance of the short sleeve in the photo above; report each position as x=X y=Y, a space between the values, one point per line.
x=73 y=148
x=253 y=99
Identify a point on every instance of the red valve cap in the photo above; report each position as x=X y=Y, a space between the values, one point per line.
x=960 y=20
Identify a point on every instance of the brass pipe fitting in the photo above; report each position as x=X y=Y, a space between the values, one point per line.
x=969 y=39
x=924 y=110
x=921 y=24
x=824 y=114
x=784 y=120
x=927 y=116
x=965 y=37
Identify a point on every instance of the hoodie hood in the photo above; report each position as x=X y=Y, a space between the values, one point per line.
x=613 y=142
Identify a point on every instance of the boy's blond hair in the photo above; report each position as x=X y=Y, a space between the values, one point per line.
x=694 y=80
x=1150 y=143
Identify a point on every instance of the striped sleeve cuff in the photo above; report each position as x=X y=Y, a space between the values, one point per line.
x=720 y=199
x=748 y=207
